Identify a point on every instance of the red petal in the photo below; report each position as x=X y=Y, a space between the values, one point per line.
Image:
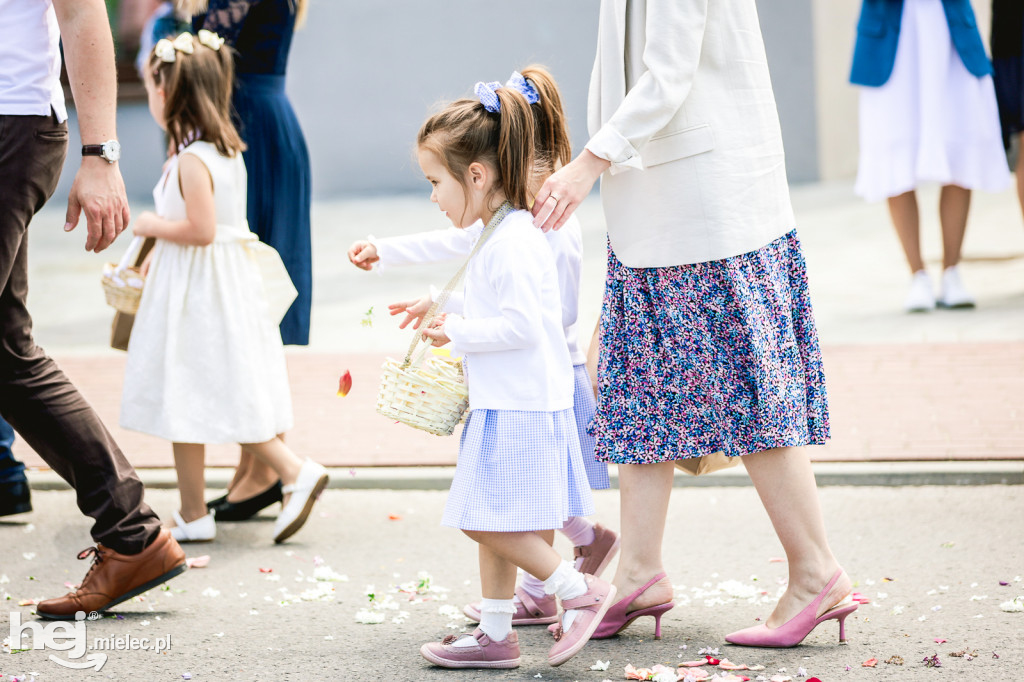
x=266 y=570
x=345 y=384
x=870 y=663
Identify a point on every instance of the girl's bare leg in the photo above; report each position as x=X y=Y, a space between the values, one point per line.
x=527 y=550
x=252 y=476
x=189 y=464
x=279 y=458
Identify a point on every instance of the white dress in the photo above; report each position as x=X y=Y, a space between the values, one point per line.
x=932 y=121
x=205 y=359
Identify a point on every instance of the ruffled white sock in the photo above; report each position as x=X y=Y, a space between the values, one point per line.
x=566 y=583
x=495 y=620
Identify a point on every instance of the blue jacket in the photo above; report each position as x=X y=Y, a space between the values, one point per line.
x=878 y=33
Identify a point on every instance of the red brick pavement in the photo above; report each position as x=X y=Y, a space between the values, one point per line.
x=888 y=402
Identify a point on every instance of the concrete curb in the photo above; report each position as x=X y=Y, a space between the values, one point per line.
x=1007 y=472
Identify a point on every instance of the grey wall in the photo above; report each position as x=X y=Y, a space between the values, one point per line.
x=364 y=75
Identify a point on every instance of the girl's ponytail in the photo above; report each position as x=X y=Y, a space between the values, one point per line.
x=554 y=147
x=515 y=147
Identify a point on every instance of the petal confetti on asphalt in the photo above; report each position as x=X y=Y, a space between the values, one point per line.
x=870 y=663
x=345 y=384
x=198 y=562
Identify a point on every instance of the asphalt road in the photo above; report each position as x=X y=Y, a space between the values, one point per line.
x=931 y=560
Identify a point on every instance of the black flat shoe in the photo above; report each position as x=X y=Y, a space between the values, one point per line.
x=245 y=509
x=15 y=498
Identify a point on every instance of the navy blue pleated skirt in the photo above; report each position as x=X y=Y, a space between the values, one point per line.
x=277 y=162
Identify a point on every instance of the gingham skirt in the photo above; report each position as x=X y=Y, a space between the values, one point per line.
x=518 y=471
x=583 y=406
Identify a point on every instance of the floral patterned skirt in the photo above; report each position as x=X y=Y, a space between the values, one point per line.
x=708 y=357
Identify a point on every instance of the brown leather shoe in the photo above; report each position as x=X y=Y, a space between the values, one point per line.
x=114 y=578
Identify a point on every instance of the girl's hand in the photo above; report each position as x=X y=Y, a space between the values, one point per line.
x=414 y=310
x=435 y=332
x=144 y=224
x=566 y=189
x=363 y=255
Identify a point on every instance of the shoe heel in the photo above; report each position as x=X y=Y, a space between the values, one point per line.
x=842 y=628
x=657 y=625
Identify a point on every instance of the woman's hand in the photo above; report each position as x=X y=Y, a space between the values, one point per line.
x=414 y=310
x=363 y=255
x=435 y=332
x=566 y=189
x=145 y=223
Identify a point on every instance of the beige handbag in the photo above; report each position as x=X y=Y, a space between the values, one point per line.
x=698 y=466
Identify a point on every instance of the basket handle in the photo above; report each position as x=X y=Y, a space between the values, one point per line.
x=131 y=254
x=446 y=293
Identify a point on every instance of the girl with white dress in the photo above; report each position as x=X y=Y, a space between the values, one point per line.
x=595 y=545
x=927 y=114
x=205 y=359
x=520 y=471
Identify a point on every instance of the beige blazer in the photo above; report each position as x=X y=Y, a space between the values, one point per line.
x=681 y=103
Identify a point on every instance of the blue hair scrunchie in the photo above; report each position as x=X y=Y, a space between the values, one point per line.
x=517 y=82
x=488 y=96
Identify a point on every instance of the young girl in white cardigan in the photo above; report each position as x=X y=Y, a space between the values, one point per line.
x=520 y=470
x=595 y=545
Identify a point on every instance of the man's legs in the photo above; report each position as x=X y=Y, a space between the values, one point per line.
x=36 y=397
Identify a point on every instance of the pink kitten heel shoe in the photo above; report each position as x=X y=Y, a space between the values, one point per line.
x=619 y=618
x=529 y=610
x=797 y=628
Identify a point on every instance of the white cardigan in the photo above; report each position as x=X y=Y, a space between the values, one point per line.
x=510 y=327
x=454 y=243
x=681 y=103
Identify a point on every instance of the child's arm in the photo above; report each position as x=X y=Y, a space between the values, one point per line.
x=200 y=226
x=431 y=246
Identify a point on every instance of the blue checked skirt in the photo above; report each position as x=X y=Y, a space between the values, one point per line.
x=583 y=406
x=518 y=471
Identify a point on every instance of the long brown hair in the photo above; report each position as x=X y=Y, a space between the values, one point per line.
x=464 y=132
x=197 y=96
x=554 y=148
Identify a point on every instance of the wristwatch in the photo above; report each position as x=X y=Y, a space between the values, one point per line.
x=109 y=151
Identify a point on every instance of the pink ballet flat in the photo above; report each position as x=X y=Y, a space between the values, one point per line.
x=619 y=618
x=797 y=628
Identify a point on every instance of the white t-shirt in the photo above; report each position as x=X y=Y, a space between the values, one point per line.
x=30 y=59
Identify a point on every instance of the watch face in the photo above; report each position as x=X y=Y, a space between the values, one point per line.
x=112 y=150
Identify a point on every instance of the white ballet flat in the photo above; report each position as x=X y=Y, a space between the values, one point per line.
x=954 y=293
x=203 y=529
x=920 y=298
x=310 y=483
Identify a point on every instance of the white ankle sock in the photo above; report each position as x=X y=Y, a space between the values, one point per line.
x=579 y=531
x=495 y=620
x=567 y=583
x=532 y=586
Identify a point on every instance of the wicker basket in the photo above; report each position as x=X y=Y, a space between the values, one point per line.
x=430 y=395
x=429 y=392
x=121 y=295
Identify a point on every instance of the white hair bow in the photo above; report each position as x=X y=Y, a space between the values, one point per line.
x=210 y=39
x=166 y=49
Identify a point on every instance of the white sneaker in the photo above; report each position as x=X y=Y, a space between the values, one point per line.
x=310 y=483
x=202 y=529
x=954 y=293
x=920 y=299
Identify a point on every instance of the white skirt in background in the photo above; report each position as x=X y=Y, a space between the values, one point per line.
x=518 y=471
x=932 y=121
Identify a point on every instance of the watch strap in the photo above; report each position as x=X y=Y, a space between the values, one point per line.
x=92 y=150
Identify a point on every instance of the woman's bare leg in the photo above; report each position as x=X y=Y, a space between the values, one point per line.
x=785 y=482
x=954 y=203
x=252 y=476
x=907 y=221
x=279 y=458
x=644 y=491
